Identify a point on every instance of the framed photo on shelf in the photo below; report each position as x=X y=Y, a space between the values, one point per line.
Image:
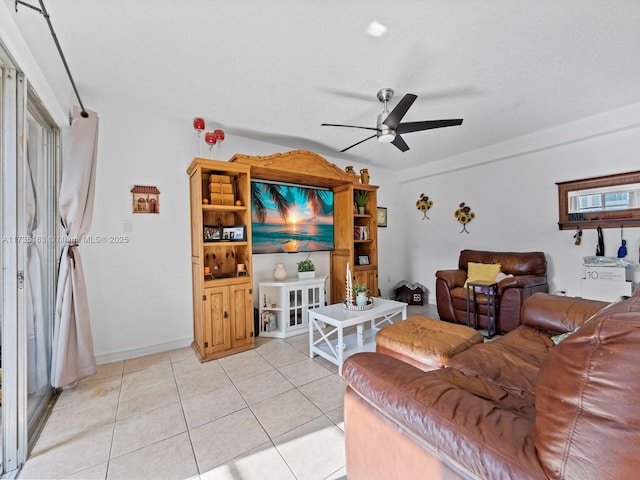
x=382 y=216
x=212 y=233
x=234 y=234
x=363 y=259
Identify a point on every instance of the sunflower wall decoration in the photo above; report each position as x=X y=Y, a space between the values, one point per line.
x=464 y=216
x=424 y=204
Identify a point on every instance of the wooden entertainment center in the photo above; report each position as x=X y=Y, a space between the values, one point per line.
x=222 y=267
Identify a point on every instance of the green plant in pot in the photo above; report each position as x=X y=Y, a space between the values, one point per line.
x=306 y=268
x=361 y=197
x=360 y=290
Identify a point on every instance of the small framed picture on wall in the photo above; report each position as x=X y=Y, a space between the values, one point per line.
x=382 y=216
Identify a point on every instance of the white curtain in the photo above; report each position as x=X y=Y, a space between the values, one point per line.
x=73 y=357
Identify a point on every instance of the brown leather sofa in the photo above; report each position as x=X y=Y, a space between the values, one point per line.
x=529 y=270
x=518 y=407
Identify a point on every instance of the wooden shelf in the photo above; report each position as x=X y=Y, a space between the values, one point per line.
x=223 y=208
x=602 y=223
x=225 y=243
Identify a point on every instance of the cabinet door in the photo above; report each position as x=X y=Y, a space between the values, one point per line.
x=368 y=277
x=241 y=311
x=296 y=307
x=216 y=320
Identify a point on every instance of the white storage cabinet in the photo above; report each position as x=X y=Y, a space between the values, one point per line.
x=284 y=305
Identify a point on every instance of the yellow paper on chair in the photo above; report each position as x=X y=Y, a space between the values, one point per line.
x=485 y=272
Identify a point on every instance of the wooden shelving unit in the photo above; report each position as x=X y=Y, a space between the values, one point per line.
x=222 y=297
x=223 y=301
x=350 y=247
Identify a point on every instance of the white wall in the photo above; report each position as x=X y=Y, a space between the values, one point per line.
x=140 y=291
x=514 y=197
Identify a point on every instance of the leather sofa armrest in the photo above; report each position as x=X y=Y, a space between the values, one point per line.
x=522 y=281
x=452 y=278
x=558 y=314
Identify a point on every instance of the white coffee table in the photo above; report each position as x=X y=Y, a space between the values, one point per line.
x=332 y=344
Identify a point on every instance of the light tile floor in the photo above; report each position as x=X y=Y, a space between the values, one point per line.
x=269 y=413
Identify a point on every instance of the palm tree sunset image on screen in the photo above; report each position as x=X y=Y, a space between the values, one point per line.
x=288 y=218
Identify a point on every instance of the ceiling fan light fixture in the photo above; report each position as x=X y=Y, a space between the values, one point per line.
x=386 y=137
x=386 y=134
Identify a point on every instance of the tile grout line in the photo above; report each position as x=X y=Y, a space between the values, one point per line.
x=184 y=416
x=115 y=419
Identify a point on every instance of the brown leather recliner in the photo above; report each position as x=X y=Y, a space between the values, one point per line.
x=529 y=270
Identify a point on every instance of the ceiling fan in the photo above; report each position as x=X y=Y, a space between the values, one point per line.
x=389 y=126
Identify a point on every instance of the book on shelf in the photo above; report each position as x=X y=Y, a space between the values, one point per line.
x=361 y=232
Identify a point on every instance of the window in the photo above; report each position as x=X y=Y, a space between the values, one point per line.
x=609 y=201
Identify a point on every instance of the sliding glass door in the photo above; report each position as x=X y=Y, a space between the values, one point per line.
x=29 y=151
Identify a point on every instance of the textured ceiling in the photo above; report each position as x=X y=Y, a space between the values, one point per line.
x=276 y=70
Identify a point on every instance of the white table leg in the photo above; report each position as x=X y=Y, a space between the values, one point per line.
x=360 y=333
x=340 y=350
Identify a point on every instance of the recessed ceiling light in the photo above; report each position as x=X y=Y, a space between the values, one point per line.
x=376 y=29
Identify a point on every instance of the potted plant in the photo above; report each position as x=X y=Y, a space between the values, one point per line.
x=306 y=269
x=361 y=197
x=360 y=290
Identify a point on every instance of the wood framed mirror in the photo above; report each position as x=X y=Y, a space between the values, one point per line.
x=610 y=201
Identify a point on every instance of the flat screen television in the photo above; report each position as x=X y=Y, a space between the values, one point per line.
x=287 y=218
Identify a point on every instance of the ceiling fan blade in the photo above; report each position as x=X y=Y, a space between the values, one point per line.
x=355 y=144
x=348 y=126
x=427 y=125
x=400 y=111
x=400 y=143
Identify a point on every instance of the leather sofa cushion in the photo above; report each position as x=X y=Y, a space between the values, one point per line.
x=472 y=423
x=587 y=423
x=510 y=362
x=431 y=343
x=515 y=263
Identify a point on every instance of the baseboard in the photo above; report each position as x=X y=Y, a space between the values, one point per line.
x=141 y=352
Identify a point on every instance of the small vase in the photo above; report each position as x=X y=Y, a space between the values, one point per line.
x=279 y=273
x=361 y=210
x=361 y=299
x=364 y=176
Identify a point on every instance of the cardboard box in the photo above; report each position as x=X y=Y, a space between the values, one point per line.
x=616 y=274
x=605 y=291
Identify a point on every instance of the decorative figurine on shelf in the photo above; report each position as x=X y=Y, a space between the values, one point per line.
x=424 y=204
x=464 y=216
